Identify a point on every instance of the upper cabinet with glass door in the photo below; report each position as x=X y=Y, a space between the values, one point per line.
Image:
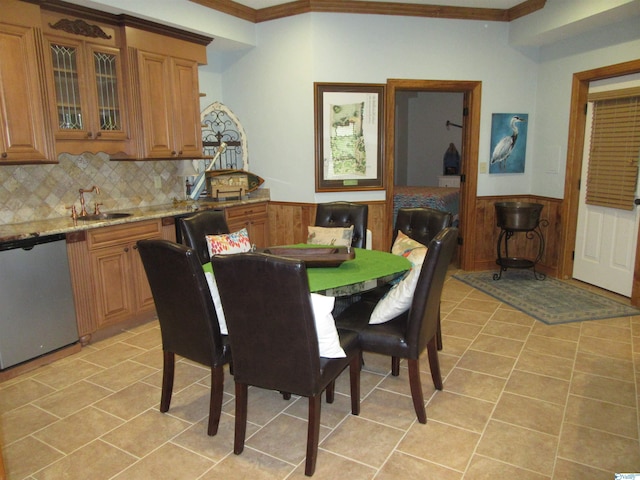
x=87 y=91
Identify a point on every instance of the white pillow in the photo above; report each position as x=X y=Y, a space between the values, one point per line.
x=328 y=339
x=215 y=295
x=399 y=298
x=339 y=236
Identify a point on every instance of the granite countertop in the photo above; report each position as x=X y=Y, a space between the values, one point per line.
x=19 y=231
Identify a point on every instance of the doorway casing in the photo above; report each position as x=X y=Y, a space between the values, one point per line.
x=575 y=150
x=472 y=91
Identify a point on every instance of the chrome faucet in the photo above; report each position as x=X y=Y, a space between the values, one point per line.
x=83 y=210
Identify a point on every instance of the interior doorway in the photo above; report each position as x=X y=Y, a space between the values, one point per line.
x=471 y=91
x=575 y=151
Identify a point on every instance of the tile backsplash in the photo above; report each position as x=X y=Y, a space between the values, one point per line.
x=39 y=192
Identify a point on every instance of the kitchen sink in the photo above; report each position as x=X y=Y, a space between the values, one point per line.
x=104 y=216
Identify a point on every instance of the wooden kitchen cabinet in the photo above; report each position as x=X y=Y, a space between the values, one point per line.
x=25 y=136
x=109 y=283
x=88 y=107
x=254 y=217
x=120 y=284
x=169 y=102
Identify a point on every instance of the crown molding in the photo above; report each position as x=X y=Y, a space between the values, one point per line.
x=373 y=8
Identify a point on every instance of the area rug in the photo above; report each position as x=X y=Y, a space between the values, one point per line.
x=551 y=301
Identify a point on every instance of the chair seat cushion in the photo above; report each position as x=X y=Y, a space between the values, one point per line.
x=387 y=338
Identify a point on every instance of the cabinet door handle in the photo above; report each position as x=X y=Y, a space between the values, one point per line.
x=89 y=135
x=5 y=154
x=99 y=134
x=126 y=249
x=135 y=247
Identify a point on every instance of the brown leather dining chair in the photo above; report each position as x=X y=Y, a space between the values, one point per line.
x=408 y=334
x=420 y=224
x=194 y=229
x=274 y=339
x=187 y=316
x=345 y=214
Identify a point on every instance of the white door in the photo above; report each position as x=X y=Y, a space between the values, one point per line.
x=605 y=247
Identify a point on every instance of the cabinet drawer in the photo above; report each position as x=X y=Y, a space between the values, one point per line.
x=123 y=233
x=246 y=212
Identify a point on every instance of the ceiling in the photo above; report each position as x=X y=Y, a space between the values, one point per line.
x=501 y=4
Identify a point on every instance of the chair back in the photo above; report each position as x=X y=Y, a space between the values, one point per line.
x=194 y=229
x=345 y=214
x=422 y=321
x=269 y=316
x=188 y=322
x=421 y=224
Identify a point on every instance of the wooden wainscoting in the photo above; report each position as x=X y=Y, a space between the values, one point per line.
x=288 y=223
x=487 y=233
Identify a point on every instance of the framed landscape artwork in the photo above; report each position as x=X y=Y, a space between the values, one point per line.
x=349 y=137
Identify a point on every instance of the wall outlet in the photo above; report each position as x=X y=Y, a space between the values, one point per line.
x=483 y=167
x=157 y=181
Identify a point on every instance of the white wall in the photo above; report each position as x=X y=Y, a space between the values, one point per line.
x=558 y=63
x=271 y=86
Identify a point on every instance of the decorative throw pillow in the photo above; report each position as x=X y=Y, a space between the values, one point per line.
x=338 y=236
x=236 y=242
x=399 y=298
x=328 y=339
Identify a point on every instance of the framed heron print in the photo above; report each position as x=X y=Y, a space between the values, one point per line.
x=508 y=142
x=349 y=139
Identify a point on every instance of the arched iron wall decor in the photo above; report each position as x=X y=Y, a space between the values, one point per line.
x=220 y=125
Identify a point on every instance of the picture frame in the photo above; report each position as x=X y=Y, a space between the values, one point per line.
x=508 y=142
x=349 y=136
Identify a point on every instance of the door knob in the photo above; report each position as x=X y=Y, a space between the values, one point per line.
x=637 y=201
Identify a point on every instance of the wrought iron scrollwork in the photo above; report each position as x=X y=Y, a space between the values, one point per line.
x=219 y=125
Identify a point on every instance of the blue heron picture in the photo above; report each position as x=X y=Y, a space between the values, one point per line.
x=508 y=142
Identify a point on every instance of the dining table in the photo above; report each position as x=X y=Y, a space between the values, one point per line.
x=367 y=270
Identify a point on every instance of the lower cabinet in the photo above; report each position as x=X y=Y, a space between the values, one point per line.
x=109 y=281
x=254 y=217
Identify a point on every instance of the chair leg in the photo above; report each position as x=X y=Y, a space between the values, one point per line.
x=439 y=332
x=354 y=380
x=168 y=370
x=395 y=366
x=434 y=363
x=313 y=434
x=215 y=403
x=416 y=390
x=241 y=418
x=331 y=389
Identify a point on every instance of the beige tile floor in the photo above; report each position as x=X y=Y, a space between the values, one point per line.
x=521 y=400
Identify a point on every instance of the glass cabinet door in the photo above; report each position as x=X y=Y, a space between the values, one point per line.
x=69 y=108
x=108 y=96
x=88 y=96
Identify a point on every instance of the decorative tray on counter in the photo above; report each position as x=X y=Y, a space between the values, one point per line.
x=315 y=256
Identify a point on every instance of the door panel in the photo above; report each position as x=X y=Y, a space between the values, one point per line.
x=605 y=248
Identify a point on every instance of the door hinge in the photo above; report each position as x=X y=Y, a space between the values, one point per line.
x=573 y=255
x=459 y=240
x=586 y=108
x=579 y=183
x=463 y=178
x=465 y=111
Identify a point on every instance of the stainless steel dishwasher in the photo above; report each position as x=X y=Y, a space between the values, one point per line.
x=37 y=314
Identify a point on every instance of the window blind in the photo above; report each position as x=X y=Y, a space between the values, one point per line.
x=614 y=150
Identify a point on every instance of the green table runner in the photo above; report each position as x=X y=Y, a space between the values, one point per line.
x=368 y=265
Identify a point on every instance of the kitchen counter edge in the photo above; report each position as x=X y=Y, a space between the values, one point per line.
x=41 y=228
